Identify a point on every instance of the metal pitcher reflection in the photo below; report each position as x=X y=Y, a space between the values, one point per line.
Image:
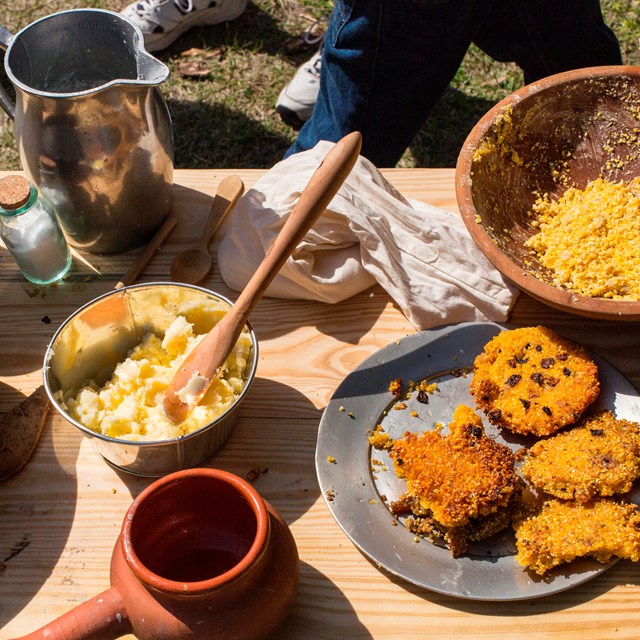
x=92 y=127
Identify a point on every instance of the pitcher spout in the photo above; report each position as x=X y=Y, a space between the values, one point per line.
x=151 y=71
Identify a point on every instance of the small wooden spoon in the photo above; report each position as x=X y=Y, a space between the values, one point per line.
x=199 y=368
x=194 y=264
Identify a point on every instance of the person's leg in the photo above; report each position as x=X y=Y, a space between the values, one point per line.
x=545 y=37
x=298 y=98
x=385 y=65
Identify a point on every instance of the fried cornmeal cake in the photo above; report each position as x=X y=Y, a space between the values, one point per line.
x=460 y=487
x=532 y=381
x=562 y=530
x=600 y=456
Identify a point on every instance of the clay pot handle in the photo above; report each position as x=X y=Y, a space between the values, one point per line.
x=103 y=617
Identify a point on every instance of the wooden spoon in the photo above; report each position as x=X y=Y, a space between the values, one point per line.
x=194 y=264
x=194 y=377
x=148 y=252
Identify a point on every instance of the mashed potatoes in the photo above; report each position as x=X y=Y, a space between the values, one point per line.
x=129 y=405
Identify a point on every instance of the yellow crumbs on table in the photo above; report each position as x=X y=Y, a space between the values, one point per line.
x=589 y=239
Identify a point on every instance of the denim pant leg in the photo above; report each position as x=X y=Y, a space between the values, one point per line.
x=545 y=37
x=385 y=65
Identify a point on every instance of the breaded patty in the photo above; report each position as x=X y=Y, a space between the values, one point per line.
x=563 y=530
x=600 y=456
x=456 y=478
x=532 y=381
x=456 y=538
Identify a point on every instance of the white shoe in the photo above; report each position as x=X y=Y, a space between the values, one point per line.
x=296 y=101
x=164 y=21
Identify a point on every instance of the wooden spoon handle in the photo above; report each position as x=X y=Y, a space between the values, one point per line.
x=227 y=194
x=313 y=201
x=204 y=362
x=148 y=252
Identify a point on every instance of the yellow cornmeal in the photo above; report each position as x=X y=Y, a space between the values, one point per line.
x=589 y=239
x=129 y=406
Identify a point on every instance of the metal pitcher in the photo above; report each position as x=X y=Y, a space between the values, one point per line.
x=92 y=128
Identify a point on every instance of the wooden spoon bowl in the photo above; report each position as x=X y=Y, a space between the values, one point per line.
x=194 y=264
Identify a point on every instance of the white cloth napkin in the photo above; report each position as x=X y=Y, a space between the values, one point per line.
x=421 y=255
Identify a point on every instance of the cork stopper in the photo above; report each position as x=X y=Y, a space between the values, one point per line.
x=14 y=192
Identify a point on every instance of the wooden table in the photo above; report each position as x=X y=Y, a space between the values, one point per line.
x=59 y=517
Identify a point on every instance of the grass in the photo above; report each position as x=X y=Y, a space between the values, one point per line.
x=229 y=119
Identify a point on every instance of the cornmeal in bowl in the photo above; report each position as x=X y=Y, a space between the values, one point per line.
x=588 y=239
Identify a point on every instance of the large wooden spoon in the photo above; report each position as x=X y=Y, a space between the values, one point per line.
x=194 y=377
x=194 y=264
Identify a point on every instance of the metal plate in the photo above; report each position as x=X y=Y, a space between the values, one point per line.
x=357 y=480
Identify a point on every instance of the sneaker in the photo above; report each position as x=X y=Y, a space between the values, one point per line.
x=296 y=101
x=164 y=21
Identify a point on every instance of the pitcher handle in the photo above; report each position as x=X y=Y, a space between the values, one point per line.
x=6 y=37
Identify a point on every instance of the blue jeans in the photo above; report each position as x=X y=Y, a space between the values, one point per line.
x=386 y=63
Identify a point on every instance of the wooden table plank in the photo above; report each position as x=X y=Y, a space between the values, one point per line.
x=60 y=516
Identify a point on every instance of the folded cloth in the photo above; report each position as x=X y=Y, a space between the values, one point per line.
x=421 y=255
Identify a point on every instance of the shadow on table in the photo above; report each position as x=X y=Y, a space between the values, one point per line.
x=279 y=426
x=622 y=573
x=308 y=618
x=9 y=398
x=345 y=321
x=273 y=443
x=37 y=508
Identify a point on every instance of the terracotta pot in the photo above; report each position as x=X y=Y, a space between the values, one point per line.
x=200 y=555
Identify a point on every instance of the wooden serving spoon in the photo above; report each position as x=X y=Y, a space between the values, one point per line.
x=194 y=264
x=194 y=377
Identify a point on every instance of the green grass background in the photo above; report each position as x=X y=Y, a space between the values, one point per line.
x=229 y=119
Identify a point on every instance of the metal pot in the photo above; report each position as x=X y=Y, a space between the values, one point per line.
x=94 y=339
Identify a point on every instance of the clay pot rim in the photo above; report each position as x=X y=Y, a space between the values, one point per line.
x=564 y=300
x=181 y=588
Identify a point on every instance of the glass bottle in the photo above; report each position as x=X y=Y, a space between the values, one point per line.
x=30 y=231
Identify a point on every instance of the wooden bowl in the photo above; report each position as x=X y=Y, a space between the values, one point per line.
x=564 y=130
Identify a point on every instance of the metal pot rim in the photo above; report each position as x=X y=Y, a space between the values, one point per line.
x=250 y=374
